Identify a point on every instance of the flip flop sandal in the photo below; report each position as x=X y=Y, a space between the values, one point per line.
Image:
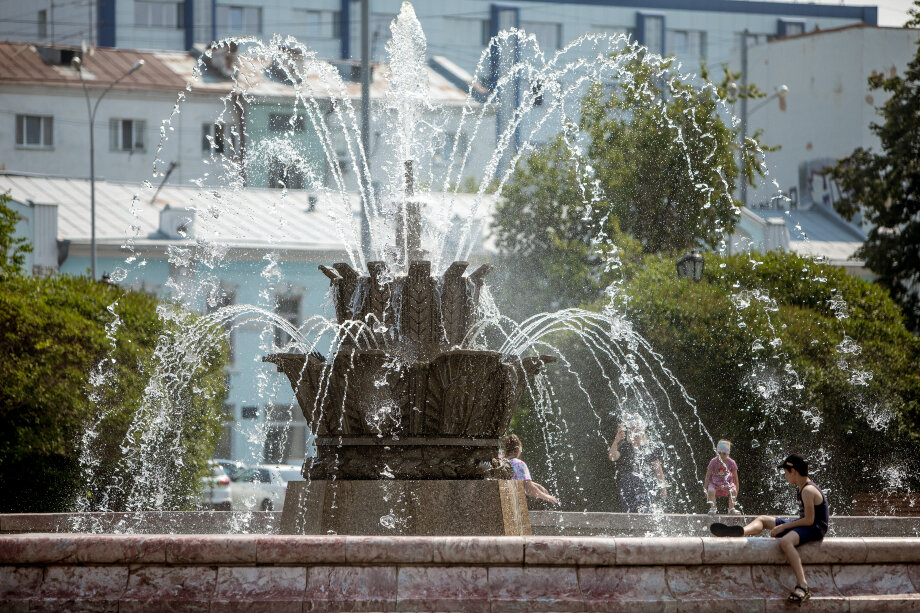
x=718 y=529
x=795 y=596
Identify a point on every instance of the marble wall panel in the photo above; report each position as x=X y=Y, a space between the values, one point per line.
x=564 y=551
x=626 y=589
x=516 y=589
x=650 y=552
x=351 y=588
x=443 y=588
x=197 y=549
x=295 y=549
x=697 y=587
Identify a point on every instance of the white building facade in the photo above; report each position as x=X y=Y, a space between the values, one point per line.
x=141 y=126
x=457 y=29
x=824 y=115
x=828 y=108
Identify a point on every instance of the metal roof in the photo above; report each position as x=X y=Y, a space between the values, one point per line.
x=817 y=231
x=22 y=64
x=247 y=218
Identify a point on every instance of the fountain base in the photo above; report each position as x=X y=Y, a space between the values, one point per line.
x=430 y=507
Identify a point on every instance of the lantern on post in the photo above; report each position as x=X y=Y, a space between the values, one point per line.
x=690 y=266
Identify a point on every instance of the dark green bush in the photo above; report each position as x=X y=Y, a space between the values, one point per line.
x=52 y=337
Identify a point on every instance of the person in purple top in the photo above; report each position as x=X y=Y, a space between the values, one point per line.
x=513 y=449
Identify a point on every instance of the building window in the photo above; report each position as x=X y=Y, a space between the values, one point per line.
x=249 y=413
x=158 y=14
x=790 y=27
x=613 y=30
x=677 y=42
x=224 y=447
x=651 y=32
x=222 y=299
x=239 y=19
x=285 y=435
x=689 y=43
x=319 y=24
x=283 y=122
x=450 y=138
x=217 y=138
x=548 y=35
x=285 y=175
x=35 y=131
x=287 y=307
x=43 y=24
x=752 y=39
x=127 y=134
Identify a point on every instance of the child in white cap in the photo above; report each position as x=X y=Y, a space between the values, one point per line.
x=722 y=478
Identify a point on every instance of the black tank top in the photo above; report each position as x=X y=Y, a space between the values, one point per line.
x=822 y=512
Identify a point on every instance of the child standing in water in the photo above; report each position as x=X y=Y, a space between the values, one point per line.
x=722 y=478
x=513 y=449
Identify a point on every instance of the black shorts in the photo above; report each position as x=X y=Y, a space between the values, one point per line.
x=806 y=533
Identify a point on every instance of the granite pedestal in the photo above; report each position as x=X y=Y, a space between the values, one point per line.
x=433 y=507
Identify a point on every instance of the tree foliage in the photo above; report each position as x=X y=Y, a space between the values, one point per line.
x=13 y=249
x=658 y=166
x=53 y=337
x=885 y=188
x=782 y=356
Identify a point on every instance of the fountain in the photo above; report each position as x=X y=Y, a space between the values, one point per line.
x=406 y=505
x=415 y=416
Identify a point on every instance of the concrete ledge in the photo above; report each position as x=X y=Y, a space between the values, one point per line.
x=504 y=574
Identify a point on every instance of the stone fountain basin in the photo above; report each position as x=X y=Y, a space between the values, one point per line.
x=502 y=574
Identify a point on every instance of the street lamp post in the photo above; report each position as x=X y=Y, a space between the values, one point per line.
x=745 y=113
x=91 y=108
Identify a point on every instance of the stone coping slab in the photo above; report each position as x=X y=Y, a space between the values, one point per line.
x=547 y=523
x=567 y=523
x=145 y=522
x=280 y=550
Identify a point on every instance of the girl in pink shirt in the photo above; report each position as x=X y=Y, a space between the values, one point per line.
x=722 y=478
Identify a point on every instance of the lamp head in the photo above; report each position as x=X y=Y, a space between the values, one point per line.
x=690 y=266
x=76 y=63
x=137 y=66
x=783 y=90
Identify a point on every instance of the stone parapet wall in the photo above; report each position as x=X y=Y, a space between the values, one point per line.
x=342 y=573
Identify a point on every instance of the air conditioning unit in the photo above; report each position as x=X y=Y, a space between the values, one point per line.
x=177 y=223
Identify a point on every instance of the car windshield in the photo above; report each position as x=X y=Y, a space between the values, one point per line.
x=291 y=475
x=217 y=471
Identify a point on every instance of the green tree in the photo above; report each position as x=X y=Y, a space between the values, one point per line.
x=786 y=355
x=657 y=174
x=55 y=332
x=13 y=249
x=885 y=187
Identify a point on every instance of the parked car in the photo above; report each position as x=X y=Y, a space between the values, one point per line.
x=215 y=488
x=262 y=487
x=232 y=468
